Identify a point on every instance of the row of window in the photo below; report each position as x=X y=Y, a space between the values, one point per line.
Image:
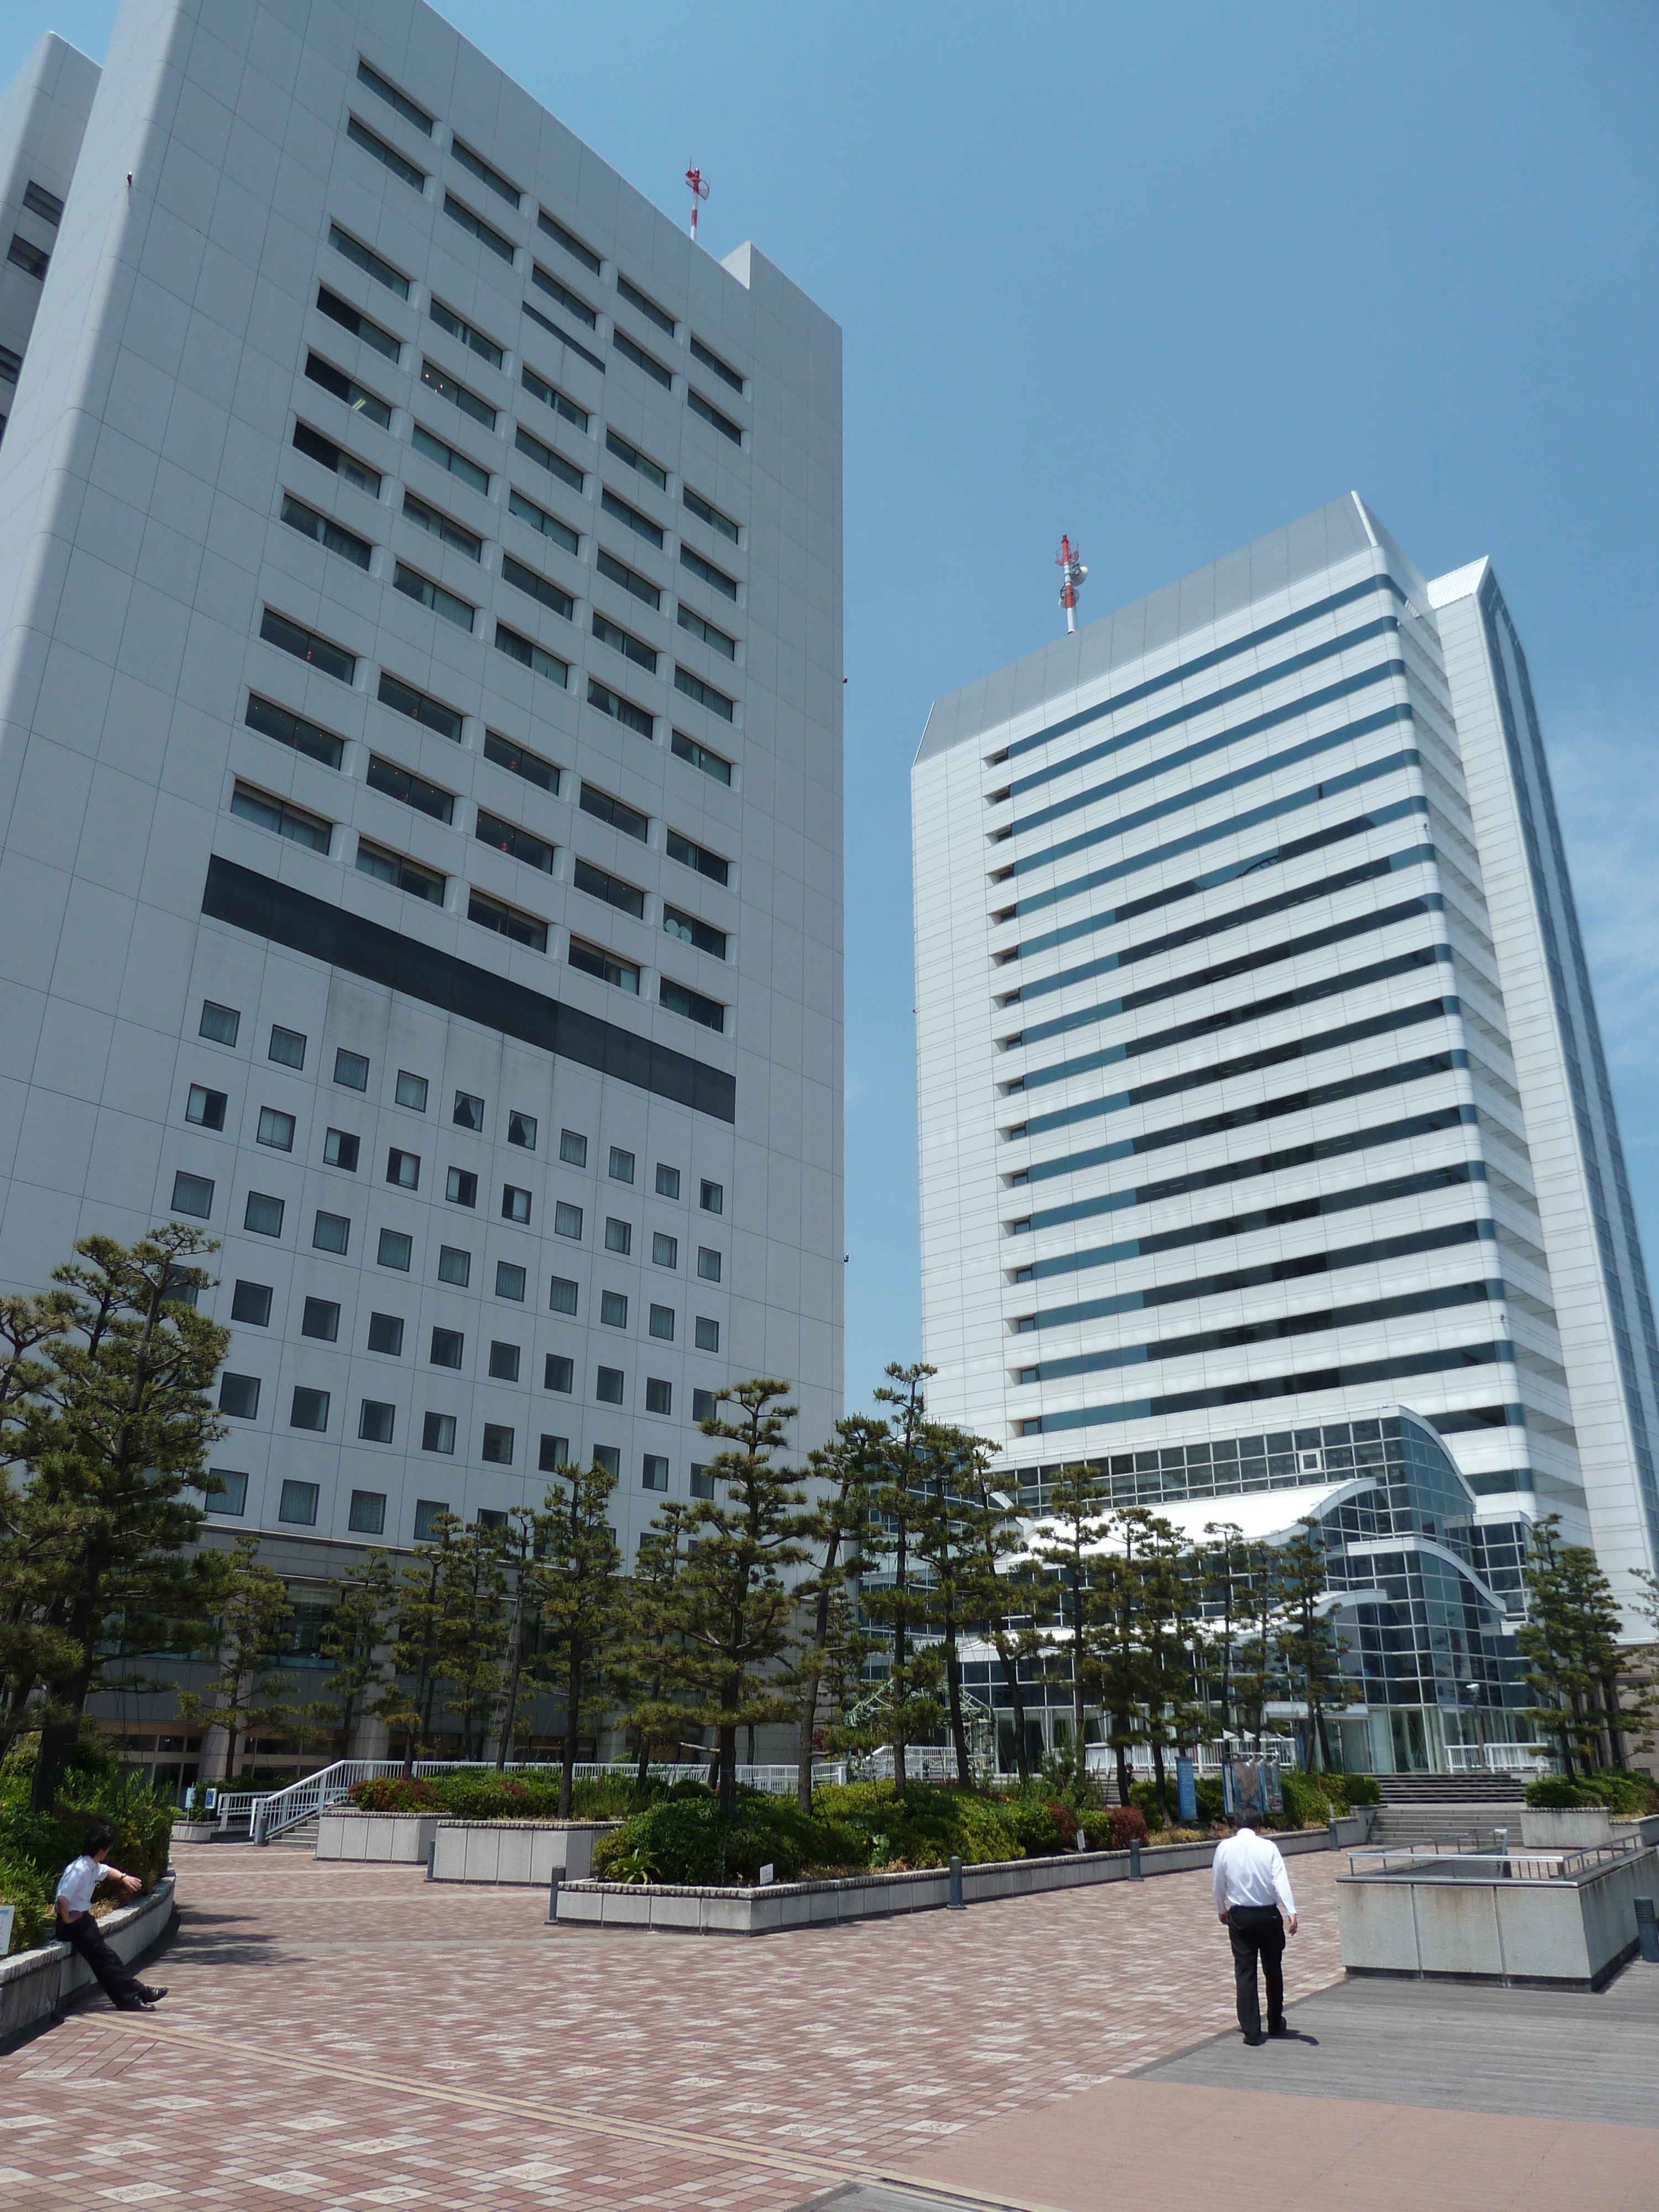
x=250 y=1308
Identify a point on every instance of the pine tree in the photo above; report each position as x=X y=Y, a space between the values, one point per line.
x=419 y=1626
x=899 y=1599
x=950 y=1542
x=1066 y=1545
x=354 y=1635
x=1118 y=1635
x=1005 y=1601
x=472 y=1635
x=1174 y=1713
x=521 y=1541
x=651 y=1600
x=1308 y=1641
x=248 y=1697
x=834 y=1645
x=1569 y=1637
x=579 y=1590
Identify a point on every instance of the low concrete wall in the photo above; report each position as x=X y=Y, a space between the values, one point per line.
x=526 y=1852
x=401 y=1838
x=35 y=1984
x=1563 y=1828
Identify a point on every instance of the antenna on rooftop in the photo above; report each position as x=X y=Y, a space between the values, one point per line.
x=1072 y=576
x=699 y=192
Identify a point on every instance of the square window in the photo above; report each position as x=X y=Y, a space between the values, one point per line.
x=454 y=1266
x=411 y=1090
x=504 y=1362
x=712 y=1200
x=618 y=1236
x=668 y=1182
x=567 y=1219
x=330 y=1232
x=515 y=1203
x=429 y=1511
x=553 y=1453
x=497 y=1444
x=622 y=1165
x=561 y=1295
x=654 y=1474
x=707 y=1334
x=703 y=1482
x=469 y=1111
x=385 y=1333
x=447 y=1347
x=309 y=1409
x=368 y=1515
x=709 y=1264
x=287 y=1046
x=658 y=1395
x=193 y=1193
x=665 y=1250
x=276 y=1129
x=509 y=1281
x=521 y=1130
x=608 y=1457
x=702 y=1406
x=572 y=1149
x=251 y=1303
x=238 y=1396
x=613 y=1309
x=340 y=1150
x=374 y=1421
x=205 y=1108
x=299 y=1504
x=233 y=1499
x=219 y=1024
x=492 y=1517
x=262 y=1216
x=662 y=1323
x=321 y=1318
x=351 y=1070
x=461 y=1187
x=437 y=1433
x=609 y=1388
x=559 y=1374
x=404 y=1168
x=395 y=1250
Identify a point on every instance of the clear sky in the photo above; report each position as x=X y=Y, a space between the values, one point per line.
x=1167 y=276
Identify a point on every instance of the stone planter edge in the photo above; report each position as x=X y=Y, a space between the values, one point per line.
x=34 y=1984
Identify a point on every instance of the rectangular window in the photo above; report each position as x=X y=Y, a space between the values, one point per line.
x=431 y=713
x=553 y=1453
x=509 y=1281
x=558 y=1374
x=340 y=1150
x=654 y=1473
x=395 y=1250
x=204 y=1107
x=276 y=1129
x=521 y=1129
x=613 y=1309
x=387 y=156
x=629 y=579
x=437 y=1435
x=476 y=165
x=321 y=1319
x=309 y=1409
x=612 y=703
x=504 y=1362
x=573 y=1148
x=385 y=1333
x=640 y=524
x=693 y=687
x=664 y=1250
x=711 y=414
x=668 y=1181
x=262 y=1216
x=572 y=302
x=631 y=649
x=566 y=1221
x=402 y=1169
x=299 y=1499
x=550 y=396
x=368 y=1515
x=472 y=339
x=306 y=645
x=539 y=520
x=439 y=526
x=414 y=585
x=515 y=1203
x=368 y=260
x=30 y=258
x=467 y=472
x=648 y=307
x=708 y=572
x=604 y=808
x=595 y=960
x=476 y=226
x=710 y=359
x=707 y=512
x=706 y=1333
x=599 y=883
x=411 y=1090
x=653 y=368
x=691 y=930
x=622 y=1164
x=192 y=1194
x=712 y=1197
x=351 y=1069
x=658 y=1395
x=497 y=1444
x=38 y=201
x=404 y=874
x=700 y=755
x=506 y=920
x=709 y=1264
x=680 y=999
x=238 y=1396
x=282 y=816
x=232 y=1496
x=703 y=1482
x=361 y=326
x=323 y=451
x=347 y=390
x=329 y=535
x=448 y=1346
x=716 y=640
x=411 y=790
x=531 y=655
x=662 y=1323
x=374 y=1421
x=402 y=104
x=250 y=1303
x=469 y=1111
x=542 y=589
x=454 y=1266
x=219 y=1024
x=561 y=1295
x=544 y=457
x=461 y=1187
x=571 y=245
x=458 y=394
x=641 y=463
x=330 y=1232
x=618 y=1236
x=608 y=1386
x=530 y=766
x=293 y=730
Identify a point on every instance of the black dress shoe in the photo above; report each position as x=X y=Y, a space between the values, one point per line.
x=1254 y=2039
x=1283 y=2028
x=149 y=1997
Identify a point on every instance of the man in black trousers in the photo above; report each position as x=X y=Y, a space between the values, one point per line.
x=77 y=1924
x=1251 y=1886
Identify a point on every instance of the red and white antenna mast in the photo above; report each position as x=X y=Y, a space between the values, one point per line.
x=1072 y=576
x=699 y=192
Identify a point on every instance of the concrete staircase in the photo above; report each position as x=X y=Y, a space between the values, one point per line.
x=1451 y=1789
x=301 y=1837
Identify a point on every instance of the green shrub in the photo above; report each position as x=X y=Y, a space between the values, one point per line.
x=1125 y=1825
x=928 y=1825
x=1362 y=1789
x=1311 y=1800
x=23 y=1886
x=1044 y=1824
x=681 y=1840
x=1143 y=1796
x=392 y=1793
x=1616 y=1788
x=1207 y=1789
x=1555 y=1792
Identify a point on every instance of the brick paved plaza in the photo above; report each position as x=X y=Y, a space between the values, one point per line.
x=346 y=2036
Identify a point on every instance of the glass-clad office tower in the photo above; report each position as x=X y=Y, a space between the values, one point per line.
x=1257 y=1060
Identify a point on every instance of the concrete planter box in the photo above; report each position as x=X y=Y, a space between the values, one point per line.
x=402 y=1838
x=527 y=1852
x=35 y=1984
x=1573 y=1932
x=194 y=1832
x=1549 y=1828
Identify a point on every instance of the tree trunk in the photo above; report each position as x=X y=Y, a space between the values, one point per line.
x=1615 y=1734
x=1162 y=1778
x=1016 y=1698
x=1120 y=1730
x=953 y=1697
x=728 y=1757
x=573 y=1713
x=901 y=1585
x=1079 y=1762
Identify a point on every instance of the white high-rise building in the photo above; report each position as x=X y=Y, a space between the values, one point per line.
x=1261 y=1086
x=420 y=762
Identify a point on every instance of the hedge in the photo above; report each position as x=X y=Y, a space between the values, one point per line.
x=36 y=1847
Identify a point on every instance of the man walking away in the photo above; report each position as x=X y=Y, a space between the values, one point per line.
x=78 y=1926
x=1250 y=1886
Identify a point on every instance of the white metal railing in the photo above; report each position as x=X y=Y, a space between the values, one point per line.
x=1497 y=1759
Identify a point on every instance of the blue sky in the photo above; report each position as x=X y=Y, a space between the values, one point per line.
x=1165 y=277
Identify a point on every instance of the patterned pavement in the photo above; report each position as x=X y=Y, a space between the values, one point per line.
x=347 y=2036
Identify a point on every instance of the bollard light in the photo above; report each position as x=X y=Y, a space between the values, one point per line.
x=1135 y=1873
x=1647 y=1932
x=954 y=1901
x=553 y=1900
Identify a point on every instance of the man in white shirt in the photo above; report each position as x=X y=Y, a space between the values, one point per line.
x=78 y=1924
x=1250 y=1885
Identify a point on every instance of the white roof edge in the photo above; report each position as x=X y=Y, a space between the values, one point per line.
x=1458 y=583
